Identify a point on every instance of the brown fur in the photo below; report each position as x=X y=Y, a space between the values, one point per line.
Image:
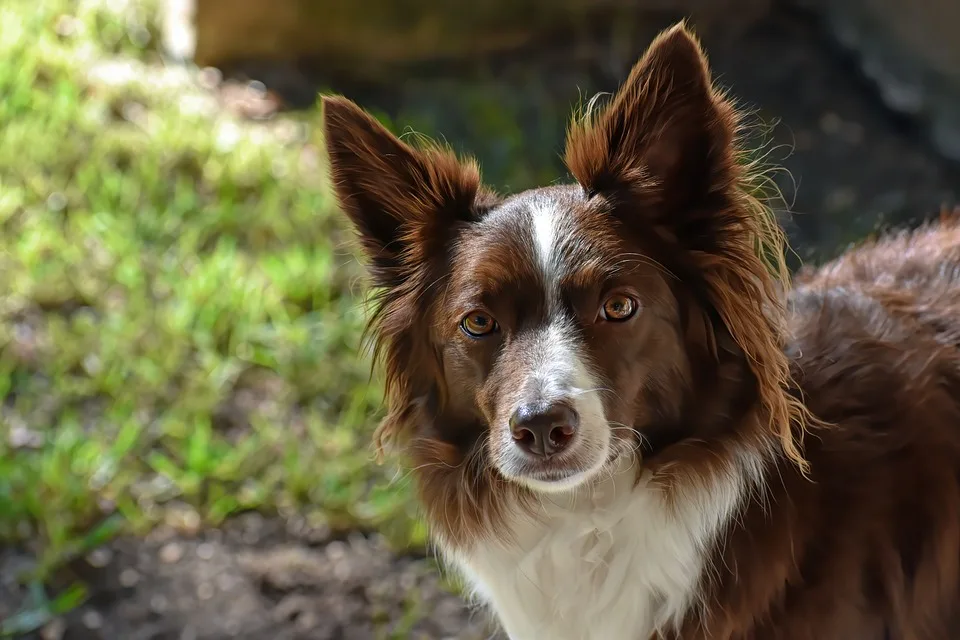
x=857 y=531
x=667 y=130
x=869 y=547
x=425 y=195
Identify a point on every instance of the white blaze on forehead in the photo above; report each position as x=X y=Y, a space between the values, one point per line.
x=546 y=234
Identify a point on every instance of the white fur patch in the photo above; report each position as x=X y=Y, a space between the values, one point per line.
x=609 y=561
x=545 y=232
x=556 y=240
x=559 y=373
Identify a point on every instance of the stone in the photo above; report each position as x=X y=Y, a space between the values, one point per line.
x=171 y=553
x=371 y=38
x=911 y=52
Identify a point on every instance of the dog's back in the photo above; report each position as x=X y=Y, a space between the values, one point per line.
x=869 y=546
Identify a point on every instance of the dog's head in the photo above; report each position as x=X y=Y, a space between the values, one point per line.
x=531 y=342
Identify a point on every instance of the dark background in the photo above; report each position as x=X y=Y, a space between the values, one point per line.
x=857 y=96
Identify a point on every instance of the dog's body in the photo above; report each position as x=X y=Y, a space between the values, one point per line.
x=604 y=393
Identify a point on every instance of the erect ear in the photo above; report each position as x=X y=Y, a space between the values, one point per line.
x=404 y=202
x=663 y=154
x=666 y=135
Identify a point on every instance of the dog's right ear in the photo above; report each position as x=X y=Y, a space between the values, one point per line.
x=404 y=202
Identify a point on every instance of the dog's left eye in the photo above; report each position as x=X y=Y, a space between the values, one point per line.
x=478 y=324
x=618 y=308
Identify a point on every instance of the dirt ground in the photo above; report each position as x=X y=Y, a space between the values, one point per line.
x=258 y=579
x=266 y=579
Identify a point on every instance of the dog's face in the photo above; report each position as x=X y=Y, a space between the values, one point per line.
x=540 y=338
x=551 y=324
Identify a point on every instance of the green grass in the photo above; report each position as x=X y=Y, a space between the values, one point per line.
x=179 y=310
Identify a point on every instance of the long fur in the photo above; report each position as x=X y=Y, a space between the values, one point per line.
x=738 y=457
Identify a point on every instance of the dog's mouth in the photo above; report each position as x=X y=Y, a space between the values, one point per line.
x=547 y=472
x=555 y=480
x=570 y=470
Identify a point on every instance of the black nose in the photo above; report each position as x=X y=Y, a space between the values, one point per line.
x=543 y=429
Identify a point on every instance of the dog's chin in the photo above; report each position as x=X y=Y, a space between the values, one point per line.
x=556 y=483
x=556 y=477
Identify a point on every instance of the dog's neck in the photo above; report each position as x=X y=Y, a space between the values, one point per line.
x=617 y=558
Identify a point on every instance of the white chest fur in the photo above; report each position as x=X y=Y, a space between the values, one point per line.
x=611 y=562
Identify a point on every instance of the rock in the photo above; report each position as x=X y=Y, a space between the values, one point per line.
x=911 y=52
x=92 y=620
x=171 y=553
x=371 y=38
x=53 y=630
x=129 y=578
x=844 y=167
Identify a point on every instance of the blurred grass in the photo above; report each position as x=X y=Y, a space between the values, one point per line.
x=178 y=336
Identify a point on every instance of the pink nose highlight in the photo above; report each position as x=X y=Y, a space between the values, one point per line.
x=544 y=429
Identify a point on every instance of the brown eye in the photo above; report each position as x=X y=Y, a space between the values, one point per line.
x=478 y=324
x=618 y=308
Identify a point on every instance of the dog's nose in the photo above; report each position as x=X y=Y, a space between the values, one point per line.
x=543 y=429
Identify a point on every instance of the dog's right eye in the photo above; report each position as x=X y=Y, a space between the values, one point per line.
x=619 y=308
x=478 y=324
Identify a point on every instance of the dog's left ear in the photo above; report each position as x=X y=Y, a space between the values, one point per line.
x=666 y=136
x=663 y=154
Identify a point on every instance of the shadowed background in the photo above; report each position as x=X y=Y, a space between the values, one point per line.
x=863 y=95
x=186 y=410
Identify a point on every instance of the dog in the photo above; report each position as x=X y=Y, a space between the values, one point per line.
x=623 y=418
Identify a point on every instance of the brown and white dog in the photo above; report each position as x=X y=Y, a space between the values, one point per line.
x=620 y=424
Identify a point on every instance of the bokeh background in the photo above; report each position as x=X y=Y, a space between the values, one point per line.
x=186 y=408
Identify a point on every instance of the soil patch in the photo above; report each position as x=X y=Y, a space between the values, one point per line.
x=260 y=578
